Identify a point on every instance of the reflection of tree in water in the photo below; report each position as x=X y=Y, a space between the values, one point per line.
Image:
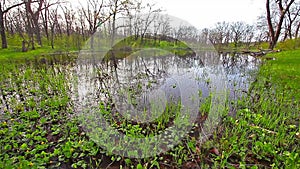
x=240 y=71
x=140 y=75
x=139 y=78
x=134 y=82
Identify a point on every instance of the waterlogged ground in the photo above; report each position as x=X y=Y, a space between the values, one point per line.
x=145 y=96
x=265 y=131
x=39 y=127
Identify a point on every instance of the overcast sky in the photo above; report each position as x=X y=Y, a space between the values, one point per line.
x=205 y=13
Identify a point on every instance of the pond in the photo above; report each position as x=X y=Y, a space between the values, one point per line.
x=58 y=101
x=147 y=89
x=153 y=79
x=155 y=76
x=138 y=106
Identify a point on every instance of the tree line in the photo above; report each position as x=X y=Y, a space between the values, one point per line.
x=39 y=21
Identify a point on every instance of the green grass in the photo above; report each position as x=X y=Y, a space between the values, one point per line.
x=290 y=44
x=265 y=131
x=13 y=54
x=130 y=45
x=285 y=71
x=73 y=44
x=61 y=44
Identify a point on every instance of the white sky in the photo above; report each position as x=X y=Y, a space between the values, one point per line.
x=205 y=13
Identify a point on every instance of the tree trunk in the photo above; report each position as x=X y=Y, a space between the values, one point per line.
x=297 y=30
x=33 y=18
x=274 y=35
x=37 y=31
x=271 y=29
x=45 y=21
x=24 y=47
x=52 y=35
x=2 y=30
x=30 y=31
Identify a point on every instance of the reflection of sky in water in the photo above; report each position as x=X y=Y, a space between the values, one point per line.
x=148 y=75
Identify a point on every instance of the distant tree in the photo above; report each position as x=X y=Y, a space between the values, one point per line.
x=248 y=35
x=94 y=14
x=33 y=13
x=19 y=21
x=292 y=21
x=237 y=32
x=44 y=16
x=204 y=36
x=69 y=18
x=117 y=8
x=162 y=27
x=165 y=26
x=149 y=18
x=53 y=22
x=262 y=30
x=136 y=21
x=220 y=35
x=187 y=33
x=82 y=24
x=241 y=33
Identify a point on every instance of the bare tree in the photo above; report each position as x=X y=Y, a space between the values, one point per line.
x=94 y=14
x=161 y=27
x=237 y=32
x=248 y=35
x=141 y=19
x=15 y=20
x=220 y=35
x=165 y=26
x=4 y=8
x=131 y=15
x=275 y=28
x=291 y=23
x=297 y=30
x=117 y=7
x=53 y=22
x=148 y=19
x=82 y=24
x=33 y=17
x=262 y=30
x=204 y=39
x=187 y=33
x=69 y=18
x=45 y=17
